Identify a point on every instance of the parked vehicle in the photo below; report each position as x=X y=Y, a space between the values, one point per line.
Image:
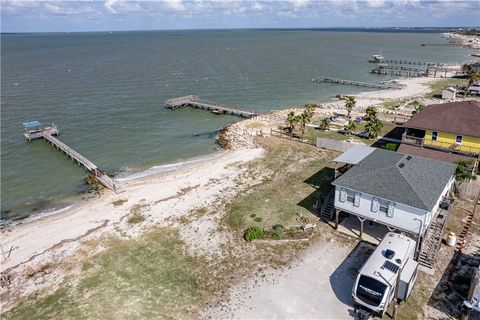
x=389 y=273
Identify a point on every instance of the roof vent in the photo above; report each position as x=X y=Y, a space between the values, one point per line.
x=389 y=254
x=401 y=165
x=409 y=157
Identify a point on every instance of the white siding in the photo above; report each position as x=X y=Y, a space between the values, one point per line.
x=404 y=217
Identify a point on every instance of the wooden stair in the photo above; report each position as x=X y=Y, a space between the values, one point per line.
x=433 y=239
x=328 y=207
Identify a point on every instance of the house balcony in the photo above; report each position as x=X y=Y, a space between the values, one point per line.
x=441 y=145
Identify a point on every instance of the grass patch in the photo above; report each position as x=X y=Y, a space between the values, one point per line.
x=147 y=277
x=257 y=219
x=438 y=86
x=119 y=202
x=301 y=177
x=136 y=218
x=311 y=133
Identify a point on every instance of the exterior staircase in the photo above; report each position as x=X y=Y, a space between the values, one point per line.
x=328 y=208
x=433 y=239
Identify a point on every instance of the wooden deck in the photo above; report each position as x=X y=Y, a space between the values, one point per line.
x=101 y=176
x=358 y=83
x=196 y=102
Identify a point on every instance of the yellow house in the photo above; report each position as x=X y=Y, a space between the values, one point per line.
x=449 y=127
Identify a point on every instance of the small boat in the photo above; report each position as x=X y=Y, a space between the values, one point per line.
x=376 y=58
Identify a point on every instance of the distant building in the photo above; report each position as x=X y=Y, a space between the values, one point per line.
x=448 y=131
x=449 y=93
x=474 y=89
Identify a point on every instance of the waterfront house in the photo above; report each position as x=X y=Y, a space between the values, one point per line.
x=401 y=191
x=450 y=128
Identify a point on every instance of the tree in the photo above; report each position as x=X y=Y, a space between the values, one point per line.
x=350 y=105
x=418 y=106
x=350 y=127
x=325 y=124
x=309 y=111
x=473 y=77
x=291 y=122
x=371 y=112
x=373 y=128
x=302 y=122
x=462 y=172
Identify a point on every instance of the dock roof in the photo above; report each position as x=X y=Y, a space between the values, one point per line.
x=461 y=117
x=411 y=180
x=32 y=124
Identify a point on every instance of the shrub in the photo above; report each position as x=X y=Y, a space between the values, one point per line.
x=253 y=215
x=390 y=146
x=277 y=235
x=119 y=202
x=278 y=227
x=253 y=233
x=257 y=219
x=136 y=218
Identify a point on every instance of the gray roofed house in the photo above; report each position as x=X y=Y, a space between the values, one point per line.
x=401 y=191
x=411 y=180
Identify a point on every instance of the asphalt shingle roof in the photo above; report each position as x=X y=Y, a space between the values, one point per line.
x=419 y=182
x=461 y=117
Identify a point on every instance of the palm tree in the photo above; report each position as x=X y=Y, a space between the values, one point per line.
x=291 y=122
x=373 y=128
x=350 y=105
x=350 y=127
x=371 y=112
x=473 y=77
x=325 y=124
x=302 y=122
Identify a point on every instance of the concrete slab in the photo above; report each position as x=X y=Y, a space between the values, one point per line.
x=372 y=232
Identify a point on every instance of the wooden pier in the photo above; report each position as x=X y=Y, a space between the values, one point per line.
x=398 y=70
x=358 y=83
x=48 y=135
x=417 y=63
x=196 y=102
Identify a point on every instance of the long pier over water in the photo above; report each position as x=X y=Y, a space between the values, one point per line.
x=48 y=135
x=358 y=83
x=196 y=102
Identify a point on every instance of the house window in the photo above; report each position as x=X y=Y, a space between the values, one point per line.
x=458 y=139
x=350 y=197
x=434 y=135
x=383 y=206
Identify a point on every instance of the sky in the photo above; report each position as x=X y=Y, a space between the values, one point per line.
x=116 y=15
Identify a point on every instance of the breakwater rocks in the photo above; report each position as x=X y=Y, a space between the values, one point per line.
x=241 y=135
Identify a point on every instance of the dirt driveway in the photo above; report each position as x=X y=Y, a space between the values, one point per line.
x=316 y=286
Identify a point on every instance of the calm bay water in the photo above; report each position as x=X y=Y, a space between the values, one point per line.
x=106 y=93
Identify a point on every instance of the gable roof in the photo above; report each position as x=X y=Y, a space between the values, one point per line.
x=418 y=183
x=461 y=117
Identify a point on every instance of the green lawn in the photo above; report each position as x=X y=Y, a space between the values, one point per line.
x=301 y=175
x=438 y=86
x=312 y=134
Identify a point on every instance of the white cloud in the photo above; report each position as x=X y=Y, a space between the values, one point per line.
x=257 y=6
x=300 y=3
x=176 y=5
x=109 y=6
x=375 y=3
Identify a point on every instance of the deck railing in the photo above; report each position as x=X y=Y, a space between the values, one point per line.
x=442 y=145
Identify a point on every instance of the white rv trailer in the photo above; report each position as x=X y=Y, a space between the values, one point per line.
x=378 y=282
